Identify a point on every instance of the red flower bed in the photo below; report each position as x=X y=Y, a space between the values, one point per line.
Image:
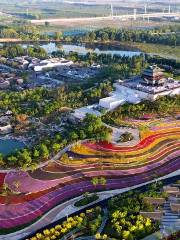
x=105 y=146
x=2 y=176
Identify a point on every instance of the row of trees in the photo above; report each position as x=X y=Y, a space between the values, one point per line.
x=127 y=35
x=103 y=58
x=17 y=50
x=27 y=32
x=87 y=222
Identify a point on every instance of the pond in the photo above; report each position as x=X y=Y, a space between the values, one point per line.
x=8 y=146
x=83 y=49
x=99 y=49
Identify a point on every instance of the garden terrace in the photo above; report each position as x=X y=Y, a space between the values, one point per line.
x=30 y=195
x=124 y=207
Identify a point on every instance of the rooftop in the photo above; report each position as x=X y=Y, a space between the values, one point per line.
x=136 y=83
x=153 y=70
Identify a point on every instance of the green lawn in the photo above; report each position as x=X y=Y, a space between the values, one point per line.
x=159 y=49
x=86 y=200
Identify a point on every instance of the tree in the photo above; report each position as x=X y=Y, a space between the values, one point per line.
x=24 y=157
x=12 y=160
x=73 y=136
x=58 y=137
x=56 y=147
x=82 y=134
x=95 y=181
x=104 y=37
x=36 y=154
x=44 y=151
x=58 y=35
x=92 y=36
x=102 y=181
x=98 y=236
x=1 y=159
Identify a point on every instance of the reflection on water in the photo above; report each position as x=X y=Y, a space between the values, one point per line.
x=81 y=49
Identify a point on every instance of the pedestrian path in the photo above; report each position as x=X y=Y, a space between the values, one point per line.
x=170 y=221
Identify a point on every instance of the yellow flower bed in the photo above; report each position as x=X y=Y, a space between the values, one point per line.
x=95 y=152
x=116 y=160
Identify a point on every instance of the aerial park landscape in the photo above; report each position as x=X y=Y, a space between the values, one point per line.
x=89 y=120
x=30 y=194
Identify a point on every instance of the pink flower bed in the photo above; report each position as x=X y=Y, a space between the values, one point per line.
x=28 y=184
x=13 y=215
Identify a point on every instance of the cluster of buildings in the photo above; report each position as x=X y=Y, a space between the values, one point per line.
x=8 y=79
x=48 y=73
x=75 y=72
x=148 y=86
x=151 y=84
x=32 y=63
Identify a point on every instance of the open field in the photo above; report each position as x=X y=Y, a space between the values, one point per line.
x=159 y=49
x=76 y=9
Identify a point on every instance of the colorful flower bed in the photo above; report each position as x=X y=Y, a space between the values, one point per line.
x=26 y=196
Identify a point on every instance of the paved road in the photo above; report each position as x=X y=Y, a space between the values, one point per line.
x=120 y=17
x=118 y=131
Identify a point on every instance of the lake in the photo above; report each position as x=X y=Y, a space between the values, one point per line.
x=8 y=146
x=83 y=49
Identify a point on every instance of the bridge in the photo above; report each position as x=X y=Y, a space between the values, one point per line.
x=124 y=17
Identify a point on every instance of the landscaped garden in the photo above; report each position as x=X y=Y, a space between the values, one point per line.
x=90 y=166
x=120 y=220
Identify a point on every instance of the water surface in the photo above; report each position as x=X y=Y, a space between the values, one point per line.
x=8 y=146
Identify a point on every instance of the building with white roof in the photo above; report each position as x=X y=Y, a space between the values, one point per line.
x=80 y=113
x=112 y=102
x=51 y=63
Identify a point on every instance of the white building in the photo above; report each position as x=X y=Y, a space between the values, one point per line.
x=6 y=129
x=119 y=97
x=80 y=113
x=112 y=102
x=51 y=63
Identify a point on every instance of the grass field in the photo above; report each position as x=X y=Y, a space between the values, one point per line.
x=161 y=50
